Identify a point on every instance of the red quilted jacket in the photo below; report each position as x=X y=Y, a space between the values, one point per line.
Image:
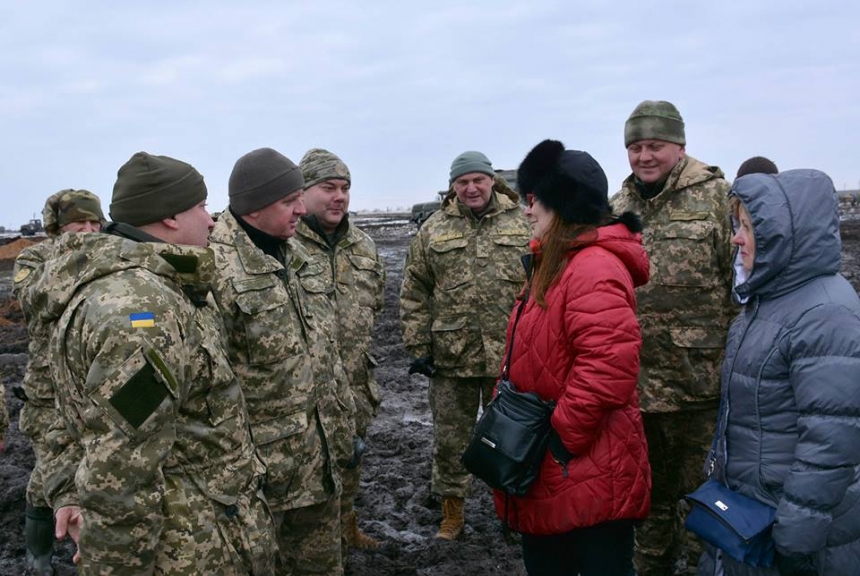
x=583 y=352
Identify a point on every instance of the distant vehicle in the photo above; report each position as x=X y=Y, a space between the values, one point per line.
x=32 y=228
x=423 y=210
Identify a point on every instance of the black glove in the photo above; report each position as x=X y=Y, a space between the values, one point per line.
x=796 y=565
x=423 y=365
x=359 y=447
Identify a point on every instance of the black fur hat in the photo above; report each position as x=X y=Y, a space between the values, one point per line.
x=570 y=182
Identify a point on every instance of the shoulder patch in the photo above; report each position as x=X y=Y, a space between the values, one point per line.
x=142 y=319
x=22 y=274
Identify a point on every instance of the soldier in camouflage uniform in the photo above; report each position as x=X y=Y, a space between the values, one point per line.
x=461 y=278
x=168 y=480
x=281 y=329
x=355 y=278
x=684 y=314
x=67 y=211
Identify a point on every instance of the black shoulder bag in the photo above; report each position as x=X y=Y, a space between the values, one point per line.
x=511 y=437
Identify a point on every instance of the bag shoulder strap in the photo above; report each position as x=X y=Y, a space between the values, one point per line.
x=513 y=331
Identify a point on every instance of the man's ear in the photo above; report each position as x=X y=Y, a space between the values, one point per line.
x=170 y=223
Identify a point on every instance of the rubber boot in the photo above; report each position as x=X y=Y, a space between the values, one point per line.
x=39 y=539
x=452 y=518
x=357 y=538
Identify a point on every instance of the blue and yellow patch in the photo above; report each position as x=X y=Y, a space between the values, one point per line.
x=142 y=319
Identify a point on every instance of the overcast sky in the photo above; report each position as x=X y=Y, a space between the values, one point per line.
x=397 y=89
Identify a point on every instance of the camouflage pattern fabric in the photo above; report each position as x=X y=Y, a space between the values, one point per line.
x=39 y=413
x=675 y=448
x=454 y=405
x=460 y=280
x=168 y=481
x=684 y=313
x=685 y=310
x=67 y=206
x=318 y=165
x=356 y=279
x=282 y=328
x=309 y=540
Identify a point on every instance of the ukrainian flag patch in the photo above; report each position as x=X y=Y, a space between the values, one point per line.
x=142 y=319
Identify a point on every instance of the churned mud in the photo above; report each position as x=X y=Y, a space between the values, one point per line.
x=394 y=504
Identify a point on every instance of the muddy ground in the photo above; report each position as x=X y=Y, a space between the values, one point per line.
x=394 y=504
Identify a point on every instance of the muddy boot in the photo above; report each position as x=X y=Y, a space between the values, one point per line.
x=358 y=539
x=452 y=518
x=39 y=539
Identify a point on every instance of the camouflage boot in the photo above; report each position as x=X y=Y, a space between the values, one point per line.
x=39 y=539
x=452 y=518
x=358 y=539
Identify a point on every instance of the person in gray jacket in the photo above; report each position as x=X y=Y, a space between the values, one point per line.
x=791 y=377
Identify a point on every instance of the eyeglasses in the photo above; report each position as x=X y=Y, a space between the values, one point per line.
x=529 y=200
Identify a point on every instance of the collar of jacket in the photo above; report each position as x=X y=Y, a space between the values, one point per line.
x=312 y=225
x=687 y=172
x=229 y=231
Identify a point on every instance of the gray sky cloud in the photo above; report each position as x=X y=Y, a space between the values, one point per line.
x=398 y=89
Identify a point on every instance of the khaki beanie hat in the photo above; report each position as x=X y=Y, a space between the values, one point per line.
x=149 y=188
x=261 y=177
x=469 y=162
x=67 y=206
x=655 y=120
x=319 y=165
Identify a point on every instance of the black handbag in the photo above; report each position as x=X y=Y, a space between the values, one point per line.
x=510 y=439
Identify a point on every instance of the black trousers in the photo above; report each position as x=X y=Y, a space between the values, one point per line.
x=602 y=550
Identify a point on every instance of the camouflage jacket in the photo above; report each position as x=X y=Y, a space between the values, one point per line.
x=281 y=330
x=685 y=310
x=355 y=276
x=148 y=394
x=39 y=412
x=460 y=280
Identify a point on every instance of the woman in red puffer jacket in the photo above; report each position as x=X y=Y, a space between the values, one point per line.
x=577 y=342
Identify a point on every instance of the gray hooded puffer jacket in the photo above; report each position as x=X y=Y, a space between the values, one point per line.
x=791 y=435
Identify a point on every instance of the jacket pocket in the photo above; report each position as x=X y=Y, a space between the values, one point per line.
x=683 y=254
x=451 y=266
x=452 y=338
x=267 y=337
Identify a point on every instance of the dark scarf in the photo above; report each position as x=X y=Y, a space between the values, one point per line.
x=270 y=245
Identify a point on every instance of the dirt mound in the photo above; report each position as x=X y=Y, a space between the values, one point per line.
x=11 y=250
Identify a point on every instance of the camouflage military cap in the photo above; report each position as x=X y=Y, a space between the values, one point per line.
x=319 y=165
x=655 y=120
x=70 y=205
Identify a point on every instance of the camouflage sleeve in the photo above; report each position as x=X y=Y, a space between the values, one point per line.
x=126 y=357
x=416 y=297
x=724 y=246
x=62 y=454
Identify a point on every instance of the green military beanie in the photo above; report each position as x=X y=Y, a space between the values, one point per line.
x=67 y=206
x=468 y=162
x=319 y=165
x=150 y=188
x=262 y=177
x=655 y=120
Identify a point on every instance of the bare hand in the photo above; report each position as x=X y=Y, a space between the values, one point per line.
x=69 y=523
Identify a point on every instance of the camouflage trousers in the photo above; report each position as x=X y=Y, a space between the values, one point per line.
x=33 y=421
x=454 y=403
x=678 y=443
x=199 y=536
x=309 y=540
